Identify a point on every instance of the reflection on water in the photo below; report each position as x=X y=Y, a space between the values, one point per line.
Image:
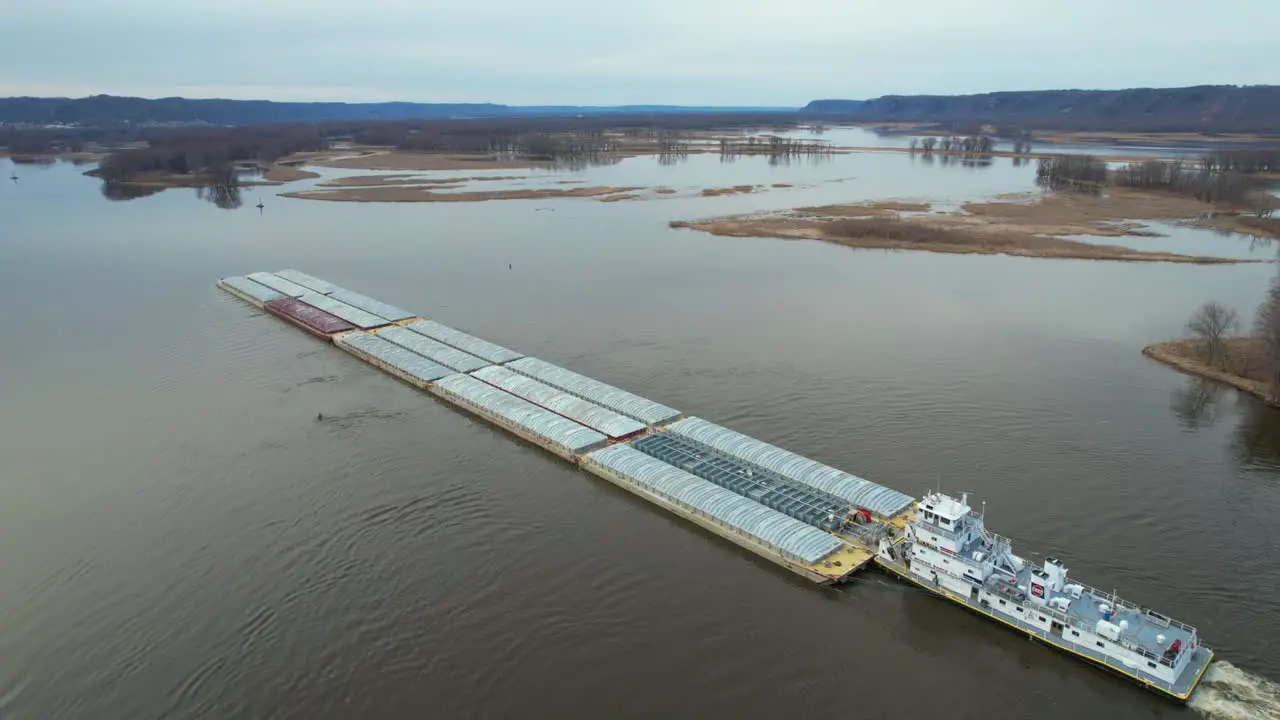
x=1257 y=438
x=778 y=160
x=581 y=161
x=225 y=195
x=34 y=160
x=1197 y=404
x=117 y=191
x=1200 y=404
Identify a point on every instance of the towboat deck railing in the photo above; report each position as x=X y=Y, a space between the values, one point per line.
x=1146 y=614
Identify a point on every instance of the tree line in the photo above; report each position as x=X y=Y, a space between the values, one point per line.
x=966 y=145
x=1211 y=180
x=194 y=151
x=773 y=145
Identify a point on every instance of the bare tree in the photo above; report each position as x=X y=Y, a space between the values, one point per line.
x=1211 y=324
x=1264 y=204
x=1266 y=325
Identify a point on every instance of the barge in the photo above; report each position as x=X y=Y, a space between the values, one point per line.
x=819 y=522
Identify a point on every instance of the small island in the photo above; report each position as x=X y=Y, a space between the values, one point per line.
x=1249 y=363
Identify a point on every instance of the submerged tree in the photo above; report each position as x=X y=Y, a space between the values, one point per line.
x=1080 y=173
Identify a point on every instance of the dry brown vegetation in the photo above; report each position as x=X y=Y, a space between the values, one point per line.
x=735 y=190
x=393 y=193
x=387 y=180
x=404 y=160
x=856 y=210
x=1030 y=229
x=277 y=173
x=1244 y=367
x=1243 y=224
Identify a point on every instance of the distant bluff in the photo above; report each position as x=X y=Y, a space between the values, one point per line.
x=1204 y=108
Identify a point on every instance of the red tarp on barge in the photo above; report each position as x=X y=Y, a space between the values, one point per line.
x=313 y=320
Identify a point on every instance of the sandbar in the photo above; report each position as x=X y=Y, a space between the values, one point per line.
x=393 y=193
x=1031 y=228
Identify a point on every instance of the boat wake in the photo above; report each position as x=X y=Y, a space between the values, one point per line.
x=1228 y=693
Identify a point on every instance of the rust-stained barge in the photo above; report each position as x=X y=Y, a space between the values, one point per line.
x=819 y=522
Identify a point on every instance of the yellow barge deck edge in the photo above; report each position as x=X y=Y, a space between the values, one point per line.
x=893 y=569
x=852 y=558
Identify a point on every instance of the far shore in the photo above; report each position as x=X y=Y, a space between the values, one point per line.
x=1186 y=356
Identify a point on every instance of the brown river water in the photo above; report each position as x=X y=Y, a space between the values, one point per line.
x=185 y=538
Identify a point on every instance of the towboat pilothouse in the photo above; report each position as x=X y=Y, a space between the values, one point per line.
x=947 y=549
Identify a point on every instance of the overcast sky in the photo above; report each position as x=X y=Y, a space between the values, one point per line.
x=597 y=52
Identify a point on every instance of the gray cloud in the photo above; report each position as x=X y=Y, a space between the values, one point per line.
x=658 y=51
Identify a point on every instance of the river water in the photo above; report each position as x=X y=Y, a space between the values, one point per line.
x=186 y=538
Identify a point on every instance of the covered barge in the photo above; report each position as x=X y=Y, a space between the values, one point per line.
x=817 y=521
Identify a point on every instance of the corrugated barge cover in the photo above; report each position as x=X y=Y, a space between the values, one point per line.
x=279 y=284
x=863 y=493
x=634 y=406
x=593 y=416
x=307 y=281
x=259 y=292
x=368 y=304
x=311 y=317
x=792 y=538
x=355 y=316
x=462 y=341
x=537 y=421
x=436 y=351
x=395 y=356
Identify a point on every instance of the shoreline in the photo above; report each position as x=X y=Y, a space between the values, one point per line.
x=1173 y=353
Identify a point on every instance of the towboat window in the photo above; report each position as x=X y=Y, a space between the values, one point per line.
x=1002 y=602
x=1075 y=634
x=1151 y=665
x=1102 y=644
x=1041 y=618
